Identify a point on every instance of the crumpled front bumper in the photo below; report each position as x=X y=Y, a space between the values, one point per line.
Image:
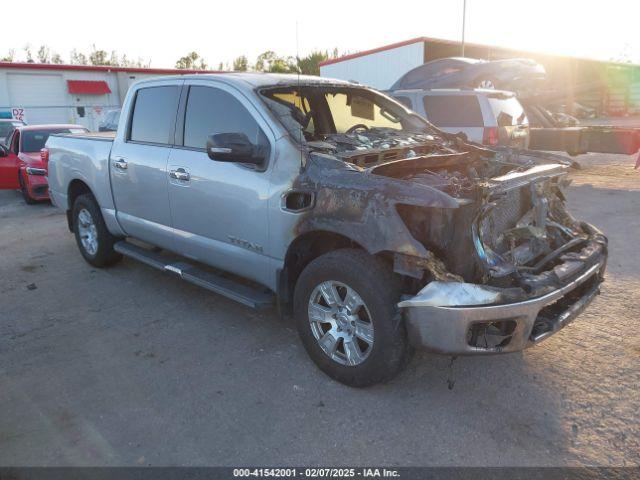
x=37 y=186
x=448 y=329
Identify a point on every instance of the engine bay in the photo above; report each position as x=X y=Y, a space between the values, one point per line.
x=511 y=213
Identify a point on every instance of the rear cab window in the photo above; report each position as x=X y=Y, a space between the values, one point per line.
x=507 y=110
x=154 y=115
x=453 y=110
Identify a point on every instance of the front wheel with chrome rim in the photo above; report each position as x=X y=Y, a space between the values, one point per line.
x=341 y=323
x=94 y=240
x=346 y=314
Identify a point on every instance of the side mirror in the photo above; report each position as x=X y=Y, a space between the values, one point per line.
x=3 y=151
x=234 y=147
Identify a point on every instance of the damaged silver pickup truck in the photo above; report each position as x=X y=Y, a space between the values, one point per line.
x=382 y=232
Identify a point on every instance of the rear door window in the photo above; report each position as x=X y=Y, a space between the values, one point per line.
x=508 y=111
x=453 y=110
x=154 y=115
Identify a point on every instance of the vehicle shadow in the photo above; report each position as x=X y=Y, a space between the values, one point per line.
x=480 y=410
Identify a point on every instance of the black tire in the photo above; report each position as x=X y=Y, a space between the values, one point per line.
x=104 y=255
x=25 y=193
x=379 y=289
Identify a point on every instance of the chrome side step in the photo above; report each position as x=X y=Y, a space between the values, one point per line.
x=251 y=297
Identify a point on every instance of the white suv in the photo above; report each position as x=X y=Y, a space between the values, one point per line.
x=491 y=117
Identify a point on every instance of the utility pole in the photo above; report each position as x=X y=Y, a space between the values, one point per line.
x=464 y=16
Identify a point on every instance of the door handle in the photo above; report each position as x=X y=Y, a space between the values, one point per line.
x=120 y=164
x=180 y=174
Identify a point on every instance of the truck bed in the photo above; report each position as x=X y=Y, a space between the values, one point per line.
x=80 y=158
x=110 y=136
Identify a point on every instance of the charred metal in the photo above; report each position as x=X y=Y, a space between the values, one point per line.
x=465 y=216
x=440 y=209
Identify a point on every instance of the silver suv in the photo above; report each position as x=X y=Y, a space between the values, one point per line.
x=490 y=117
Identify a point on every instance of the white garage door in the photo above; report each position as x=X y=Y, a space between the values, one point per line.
x=43 y=97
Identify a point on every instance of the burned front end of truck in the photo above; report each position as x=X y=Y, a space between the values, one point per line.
x=491 y=259
x=524 y=266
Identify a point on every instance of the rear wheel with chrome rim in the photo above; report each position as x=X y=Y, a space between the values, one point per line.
x=346 y=314
x=93 y=239
x=88 y=232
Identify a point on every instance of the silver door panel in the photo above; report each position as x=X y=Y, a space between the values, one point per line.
x=220 y=213
x=240 y=260
x=140 y=191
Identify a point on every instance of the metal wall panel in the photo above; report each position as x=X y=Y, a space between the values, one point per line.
x=42 y=95
x=379 y=69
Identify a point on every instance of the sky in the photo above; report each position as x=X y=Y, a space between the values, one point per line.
x=162 y=32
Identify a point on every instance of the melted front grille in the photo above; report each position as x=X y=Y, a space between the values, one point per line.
x=508 y=209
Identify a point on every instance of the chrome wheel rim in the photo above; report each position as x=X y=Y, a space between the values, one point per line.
x=486 y=84
x=88 y=232
x=341 y=323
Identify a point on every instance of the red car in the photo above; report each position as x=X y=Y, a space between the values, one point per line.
x=22 y=165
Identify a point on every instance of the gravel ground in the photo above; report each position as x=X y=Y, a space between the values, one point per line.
x=127 y=366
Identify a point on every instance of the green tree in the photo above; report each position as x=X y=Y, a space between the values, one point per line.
x=241 y=64
x=263 y=60
x=270 y=62
x=139 y=63
x=101 y=57
x=191 y=61
x=9 y=57
x=43 y=54
x=28 y=54
x=46 y=55
x=78 y=58
x=310 y=64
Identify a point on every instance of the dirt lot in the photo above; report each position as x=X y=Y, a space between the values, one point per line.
x=127 y=366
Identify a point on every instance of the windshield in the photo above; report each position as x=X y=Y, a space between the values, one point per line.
x=34 y=140
x=314 y=113
x=7 y=127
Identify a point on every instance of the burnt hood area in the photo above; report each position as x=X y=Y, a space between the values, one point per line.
x=506 y=225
